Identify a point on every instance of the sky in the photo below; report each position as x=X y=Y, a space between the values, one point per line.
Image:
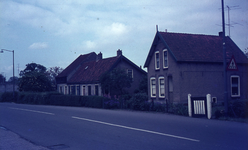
x=55 y=32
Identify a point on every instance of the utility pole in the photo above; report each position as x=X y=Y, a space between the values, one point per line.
x=2 y=50
x=228 y=9
x=224 y=59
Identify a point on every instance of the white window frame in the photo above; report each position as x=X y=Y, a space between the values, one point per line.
x=66 y=90
x=151 y=87
x=159 y=84
x=237 y=86
x=97 y=94
x=157 y=66
x=165 y=50
x=131 y=74
x=61 y=89
x=76 y=89
x=89 y=90
x=83 y=90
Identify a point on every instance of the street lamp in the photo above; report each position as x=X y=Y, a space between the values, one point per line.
x=2 y=50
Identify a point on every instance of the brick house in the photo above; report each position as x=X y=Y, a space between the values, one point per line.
x=179 y=64
x=82 y=76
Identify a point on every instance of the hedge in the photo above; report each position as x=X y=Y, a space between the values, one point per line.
x=53 y=98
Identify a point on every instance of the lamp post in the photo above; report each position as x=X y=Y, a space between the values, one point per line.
x=2 y=50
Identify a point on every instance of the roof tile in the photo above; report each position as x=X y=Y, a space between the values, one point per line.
x=201 y=48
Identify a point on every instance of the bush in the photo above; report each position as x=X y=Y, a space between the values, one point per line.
x=159 y=107
x=139 y=102
x=238 y=109
x=8 y=97
x=92 y=101
x=111 y=104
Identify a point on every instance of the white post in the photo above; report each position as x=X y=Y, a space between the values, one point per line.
x=209 y=105
x=189 y=105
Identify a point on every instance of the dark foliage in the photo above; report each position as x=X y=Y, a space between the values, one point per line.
x=238 y=109
x=111 y=104
x=53 y=98
x=139 y=102
x=33 y=78
x=115 y=82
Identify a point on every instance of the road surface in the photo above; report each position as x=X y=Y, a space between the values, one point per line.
x=73 y=128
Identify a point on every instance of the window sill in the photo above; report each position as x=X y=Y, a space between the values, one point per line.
x=235 y=95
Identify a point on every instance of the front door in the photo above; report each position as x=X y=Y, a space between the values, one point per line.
x=170 y=89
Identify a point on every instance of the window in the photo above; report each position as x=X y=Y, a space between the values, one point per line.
x=235 y=86
x=153 y=87
x=157 y=60
x=73 y=90
x=96 y=90
x=60 y=89
x=130 y=73
x=89 y=90
x=165 y=58
x=83 y=90
x=78 y=90
x=66 y=90
x=161 y=87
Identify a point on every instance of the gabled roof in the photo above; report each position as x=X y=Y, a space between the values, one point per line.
x=196 y=48
x=76 y=63
x=91 y=71
x=82 y=71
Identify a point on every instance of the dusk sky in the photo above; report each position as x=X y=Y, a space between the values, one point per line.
x=55 y=32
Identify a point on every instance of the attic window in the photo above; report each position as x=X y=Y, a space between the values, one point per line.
x=86 y=67
x=157 y=60
x=165 y=58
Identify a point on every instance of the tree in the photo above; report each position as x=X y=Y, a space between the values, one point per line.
x=11 y=79
x=143 y=86
x=115 y=82
x=2 y=79
x=33 y=78
x=52 y=73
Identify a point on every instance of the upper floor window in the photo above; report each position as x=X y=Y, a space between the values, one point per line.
x=165 y=58
x=161 y=87
x=157 y=60
x=235 y=86
x=153 y=87
x=130 y=73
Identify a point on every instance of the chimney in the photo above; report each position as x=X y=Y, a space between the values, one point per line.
x=221 y=34
x=119 y=52
x=99 y=56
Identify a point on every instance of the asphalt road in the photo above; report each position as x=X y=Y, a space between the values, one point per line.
x=75 y=128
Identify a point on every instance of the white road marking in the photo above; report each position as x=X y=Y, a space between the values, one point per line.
x=137 y=129
x=42 y=112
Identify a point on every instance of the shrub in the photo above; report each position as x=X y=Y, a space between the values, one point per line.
x=111 y=104
x=92 y=101
x=238 y=109
x=139 y=102
x=159 y=107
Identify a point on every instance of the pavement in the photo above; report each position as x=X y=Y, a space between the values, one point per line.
x=11 y=141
